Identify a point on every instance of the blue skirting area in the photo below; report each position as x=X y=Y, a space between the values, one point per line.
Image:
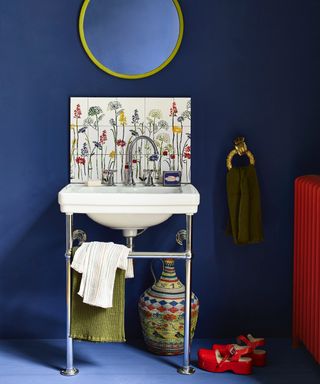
x=39 y=361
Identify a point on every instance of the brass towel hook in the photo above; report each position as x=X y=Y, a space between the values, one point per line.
x=240 y=148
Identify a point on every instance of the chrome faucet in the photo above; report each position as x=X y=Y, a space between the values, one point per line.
x=130 y=180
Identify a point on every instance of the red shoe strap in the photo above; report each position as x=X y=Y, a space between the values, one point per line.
x=249 y=343
x=234 y=354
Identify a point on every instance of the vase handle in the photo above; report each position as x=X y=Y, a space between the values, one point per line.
x=152 y=269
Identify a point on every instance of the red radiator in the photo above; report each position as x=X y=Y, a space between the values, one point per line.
x=306 y=277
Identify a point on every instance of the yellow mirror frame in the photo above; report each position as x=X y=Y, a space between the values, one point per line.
x=122 y=75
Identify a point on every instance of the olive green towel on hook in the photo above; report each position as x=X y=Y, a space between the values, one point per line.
x=95 y=323
x=243 y=194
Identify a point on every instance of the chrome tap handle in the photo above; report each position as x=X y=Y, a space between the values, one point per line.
x=108 y=177
x=149 y=179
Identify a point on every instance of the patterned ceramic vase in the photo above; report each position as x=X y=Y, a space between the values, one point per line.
x=161 y=310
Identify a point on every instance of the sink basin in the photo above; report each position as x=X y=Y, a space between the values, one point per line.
x=129 y=208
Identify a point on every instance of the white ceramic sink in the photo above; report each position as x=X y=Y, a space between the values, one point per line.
x=129 y=207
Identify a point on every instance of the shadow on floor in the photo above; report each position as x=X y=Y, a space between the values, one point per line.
x=172 y=361
x=46 y=353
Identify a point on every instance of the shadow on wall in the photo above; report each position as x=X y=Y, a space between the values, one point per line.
x=32 y=280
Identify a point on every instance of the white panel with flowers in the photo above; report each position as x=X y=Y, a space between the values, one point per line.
x=102 y=128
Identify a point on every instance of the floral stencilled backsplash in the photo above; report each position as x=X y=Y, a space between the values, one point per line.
x=101 y=130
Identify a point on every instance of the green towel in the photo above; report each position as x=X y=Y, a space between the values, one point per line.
x=243 y=194
x=94 y=323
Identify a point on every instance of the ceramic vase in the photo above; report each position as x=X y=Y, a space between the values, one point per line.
x=161 y=310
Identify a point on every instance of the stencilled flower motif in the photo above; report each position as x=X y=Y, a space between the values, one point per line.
x=80 y=160
x=187 y=152
x=88 y=122
x=114 y=105
x=74 y=150
x=169 y=148
x=94 y=111
x=186 y=155
x=103 y=137
x=77 y=112
x=135 y=117
x=84 y=150
x=155 y=114
x=112 y=154
x=180 y=119
x=173 y=112
x=173 y=109
x=121 y=143
x=162 y=124
x=163 y=137
x=112 y=122
x=176 y=129
x=122 y=118
x=186 y=115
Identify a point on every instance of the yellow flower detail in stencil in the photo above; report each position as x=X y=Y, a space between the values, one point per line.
x=112 y=154
x=176 y=129
x=122 y=118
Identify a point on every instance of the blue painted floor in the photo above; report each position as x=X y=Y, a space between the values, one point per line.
x=38 y=361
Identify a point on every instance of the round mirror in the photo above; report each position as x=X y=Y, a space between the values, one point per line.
x=131 y=38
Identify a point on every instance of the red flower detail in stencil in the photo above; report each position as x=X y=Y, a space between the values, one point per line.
x=121 y=143
x=134 y=161
x=187 y=152
x=80 y=160
x=173 y=109
x=165 y=153
x=173 y=156
x=77 y=112
x=103 y=137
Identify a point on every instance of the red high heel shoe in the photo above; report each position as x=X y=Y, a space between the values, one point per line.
x=259 y=356
x=233 y=360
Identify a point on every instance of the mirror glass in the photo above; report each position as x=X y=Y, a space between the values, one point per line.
x=131 y=38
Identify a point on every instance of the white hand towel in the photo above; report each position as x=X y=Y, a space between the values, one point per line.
x=98 y=263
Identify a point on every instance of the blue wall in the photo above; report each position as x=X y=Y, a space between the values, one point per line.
x=251 y=68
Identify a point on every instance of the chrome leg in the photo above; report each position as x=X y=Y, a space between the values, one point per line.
x=186 y=369
x=69 y=370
